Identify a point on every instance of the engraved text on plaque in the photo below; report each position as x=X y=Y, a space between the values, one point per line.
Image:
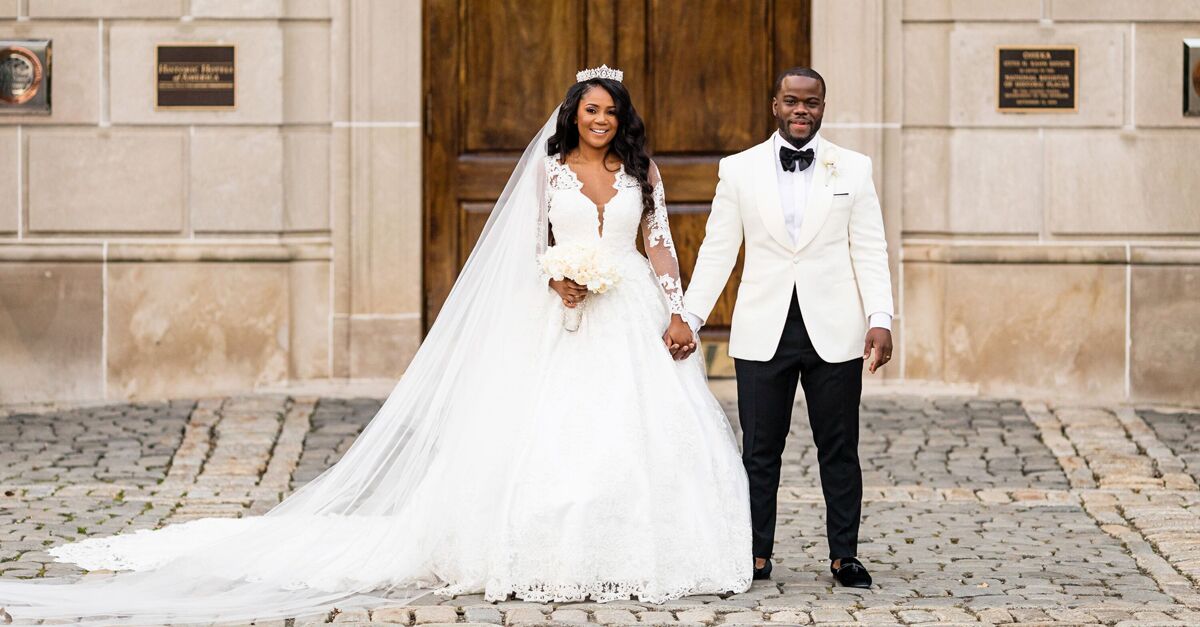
x=1042 y=79
x=196 y=76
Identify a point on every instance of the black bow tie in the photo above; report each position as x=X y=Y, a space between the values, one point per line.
x=789 y=158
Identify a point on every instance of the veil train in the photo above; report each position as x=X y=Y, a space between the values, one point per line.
x=361 y=533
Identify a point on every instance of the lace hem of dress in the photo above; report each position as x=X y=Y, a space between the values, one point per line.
x=598 y=591
x=99 y=554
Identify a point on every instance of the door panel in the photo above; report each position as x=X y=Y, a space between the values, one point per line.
x=474 y=215
x=512 y=48
x=707 y=61
x=700 y=73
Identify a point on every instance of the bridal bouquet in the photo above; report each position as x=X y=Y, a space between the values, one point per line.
x=587 y=265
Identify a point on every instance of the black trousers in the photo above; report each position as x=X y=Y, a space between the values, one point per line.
x=766 y=393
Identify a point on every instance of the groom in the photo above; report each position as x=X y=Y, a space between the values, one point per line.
x=815 y=300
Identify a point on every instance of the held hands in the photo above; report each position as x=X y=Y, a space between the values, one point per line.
x=880 y=340
x=569 y=291
x=679 y=339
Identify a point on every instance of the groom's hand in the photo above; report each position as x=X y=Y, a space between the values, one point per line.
x=880 y=341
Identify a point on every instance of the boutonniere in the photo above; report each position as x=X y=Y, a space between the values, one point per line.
x=830 y=168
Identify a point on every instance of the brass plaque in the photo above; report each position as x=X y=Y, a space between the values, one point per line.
x=196 y=76
x=25 y=76
x=1191 y=77
x=1037 y=79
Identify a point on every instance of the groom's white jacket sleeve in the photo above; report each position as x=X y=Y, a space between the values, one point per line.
x=868 y=247
x=719 y=250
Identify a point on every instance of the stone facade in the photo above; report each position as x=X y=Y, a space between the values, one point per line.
x=148 y=253
x=1033 y=253
x=157 y=253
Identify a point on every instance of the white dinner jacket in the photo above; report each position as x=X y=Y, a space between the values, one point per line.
x=838 y=265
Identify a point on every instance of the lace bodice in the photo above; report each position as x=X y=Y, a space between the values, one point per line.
x=573 y=217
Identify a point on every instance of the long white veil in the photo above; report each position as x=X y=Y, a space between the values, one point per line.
x=357 y=535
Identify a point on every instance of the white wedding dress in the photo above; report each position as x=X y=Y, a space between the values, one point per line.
x=513 y=458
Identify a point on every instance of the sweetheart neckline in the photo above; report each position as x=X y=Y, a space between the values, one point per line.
x=598 y=208
x=579 y=185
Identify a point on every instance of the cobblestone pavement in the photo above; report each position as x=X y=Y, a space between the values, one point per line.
x=976 y=511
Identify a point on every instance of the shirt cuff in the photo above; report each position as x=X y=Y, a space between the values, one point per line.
x=881 y=320
x=693 y=321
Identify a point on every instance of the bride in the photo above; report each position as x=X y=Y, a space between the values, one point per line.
x=515 y=458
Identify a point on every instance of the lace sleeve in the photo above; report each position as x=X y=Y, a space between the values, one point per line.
x=660 y=248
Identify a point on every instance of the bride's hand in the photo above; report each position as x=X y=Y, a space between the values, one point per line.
x=679 y=339
x=569 y=291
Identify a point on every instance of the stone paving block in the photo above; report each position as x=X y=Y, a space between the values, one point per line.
x=524 y=616
x=1029 y=615
x=402 y=615
x=699 y=615
x=995 y=616
x=829 y=615
x=352 y=616
x=487 y=614
x=916 y=616
x=615 y=617
x=569 y=616
x=742 y=618
x=1153 y=616
x=869 y=617
x=434 y=614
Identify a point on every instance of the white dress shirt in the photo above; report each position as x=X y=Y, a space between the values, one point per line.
x=793 y=199
x=793 y=186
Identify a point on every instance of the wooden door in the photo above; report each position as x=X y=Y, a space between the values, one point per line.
x=700 y=73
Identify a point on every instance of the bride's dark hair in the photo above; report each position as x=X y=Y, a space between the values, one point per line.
x=629 y=144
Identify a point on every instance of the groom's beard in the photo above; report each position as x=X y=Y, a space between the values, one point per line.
x=798 y=142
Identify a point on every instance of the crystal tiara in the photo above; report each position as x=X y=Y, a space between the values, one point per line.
x=601 y=72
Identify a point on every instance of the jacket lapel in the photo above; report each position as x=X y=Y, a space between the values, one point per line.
x=820 y=195
x=767 y=184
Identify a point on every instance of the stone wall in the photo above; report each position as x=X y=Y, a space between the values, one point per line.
x=1034 y=254
x=152 y=253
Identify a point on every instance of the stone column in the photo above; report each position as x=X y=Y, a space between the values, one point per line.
x=377 y=197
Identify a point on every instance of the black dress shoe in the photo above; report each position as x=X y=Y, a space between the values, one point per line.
x=764 y=572
x=851 y=574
